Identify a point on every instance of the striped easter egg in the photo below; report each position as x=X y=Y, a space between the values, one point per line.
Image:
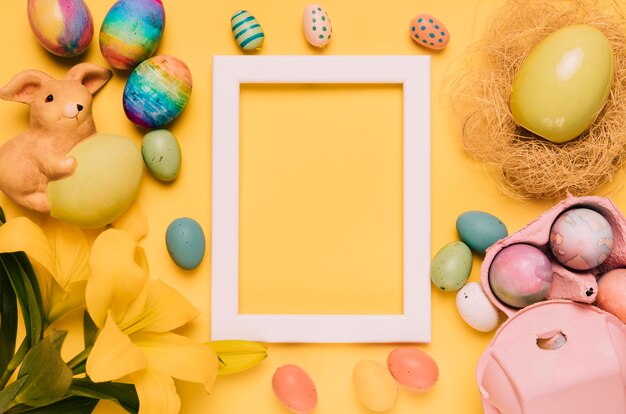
x=157 y=91
x=63 y=27
x=131 y=32
x=247 y=30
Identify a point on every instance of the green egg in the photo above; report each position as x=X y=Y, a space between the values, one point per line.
x=563 y=83
x=479 y=230
x=451 y=266
x=161 y=154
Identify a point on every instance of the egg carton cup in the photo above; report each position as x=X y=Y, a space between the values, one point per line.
x=578 y=286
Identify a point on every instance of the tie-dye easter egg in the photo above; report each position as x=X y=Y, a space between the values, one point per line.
x=63 y=27
x=157 y=91
x=131 y=32
x=247 y=30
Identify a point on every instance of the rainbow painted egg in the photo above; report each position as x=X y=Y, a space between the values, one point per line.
x=131 y=32
x=428 y=31
x=63 y=27
x=157 y=91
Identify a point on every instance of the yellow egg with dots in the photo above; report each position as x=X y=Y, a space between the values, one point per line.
x=104 y=184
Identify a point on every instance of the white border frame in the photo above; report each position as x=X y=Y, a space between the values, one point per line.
x=413 y=72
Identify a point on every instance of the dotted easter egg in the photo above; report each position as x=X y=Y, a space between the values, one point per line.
x=63 y=27
x=429 y=32
x=157 y=91
x=131 y=32
x=316 y=25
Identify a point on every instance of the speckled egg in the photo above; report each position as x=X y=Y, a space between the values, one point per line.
x=429 y=32
x=63 y=27
x=475 y=308
x=161 y=154
x=157 y=91
x=375 y=388
x=295 y=389
x=451 y=266
x=479 y=230
x=413 y=368
x=131 y=32
x=612 y=293
x=520 y=275
x=185 y=242
x=247 y=31
x=316 y=25
x=581 y=239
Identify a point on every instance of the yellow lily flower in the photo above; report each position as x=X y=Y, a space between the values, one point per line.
x=135 y=315
x=58 y=252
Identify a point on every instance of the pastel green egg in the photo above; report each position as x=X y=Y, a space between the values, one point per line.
x=451 y=266
x=479 y=230
x=161 y=154
x=563 y=83
x=104 y=184
x=247 y=30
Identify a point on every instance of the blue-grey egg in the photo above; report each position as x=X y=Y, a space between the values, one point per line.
x=451 y=266
x=161 y=154
x=479 y=230
x=185 y=242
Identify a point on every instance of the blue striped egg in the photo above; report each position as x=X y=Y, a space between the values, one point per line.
x=247 y=30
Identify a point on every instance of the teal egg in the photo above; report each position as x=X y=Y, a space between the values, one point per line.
x=185 y=242
x=479 y=230
x=451 y=266
x=161 y=154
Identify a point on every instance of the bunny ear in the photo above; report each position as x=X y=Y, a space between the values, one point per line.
x=24 y=86
x=93 y=77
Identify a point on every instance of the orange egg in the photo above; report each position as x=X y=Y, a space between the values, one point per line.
x=295 y=389
x=413 y=368
x=429 y=32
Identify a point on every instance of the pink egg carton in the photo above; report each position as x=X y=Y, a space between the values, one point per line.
x=582 y=369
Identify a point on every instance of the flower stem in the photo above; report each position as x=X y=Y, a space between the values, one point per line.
x=77 y=364
x=15 y=362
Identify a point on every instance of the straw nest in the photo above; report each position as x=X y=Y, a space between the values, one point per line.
x=531 y=167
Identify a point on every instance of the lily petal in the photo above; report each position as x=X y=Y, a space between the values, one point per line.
x=119 y=273
x=22 y=235
x=165 y=309
x=65 y=301
x=179 y=357
x=113 y=355
x=156 y=392
x=69 y=247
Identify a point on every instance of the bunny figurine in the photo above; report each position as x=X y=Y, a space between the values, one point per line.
x=60 y=117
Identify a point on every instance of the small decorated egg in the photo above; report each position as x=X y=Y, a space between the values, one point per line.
x=612 y=293
x=104 y=184
x=247 y=30
x=479 y=230
x=451 y=266
x=295 y=389
x=413 y=368
x=185 y=242
x=428 y=31
x=63 y=27
x=563 y=83
x=520 y=275
x=161 y=154
x=131 y=32
x=581 y=239
x=475 y=308
x=375 y=388
x=316 y=25
x=157 y=91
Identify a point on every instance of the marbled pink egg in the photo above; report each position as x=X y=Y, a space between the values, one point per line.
x=316 y=25
x=612 y=293
x=520 y=275
x=581 y=239
x=428 y=31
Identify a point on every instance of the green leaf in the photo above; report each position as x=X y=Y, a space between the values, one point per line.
x=9 y=392
x=8 y=320
x=71 y=405
x=124 y=395
x=2 y=218
x=49 y=377
x=90 y=330
x=34 y=296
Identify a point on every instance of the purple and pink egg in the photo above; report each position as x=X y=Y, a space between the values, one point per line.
x=131 y=32
x=63 y=27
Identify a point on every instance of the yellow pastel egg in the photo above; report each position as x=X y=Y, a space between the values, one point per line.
x=104 y=185
x=374 y=385
x=563 y=83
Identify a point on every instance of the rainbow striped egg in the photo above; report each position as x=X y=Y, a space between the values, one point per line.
x=131 y=32
x=63 y=27
x=157 y=91
x=247 y=30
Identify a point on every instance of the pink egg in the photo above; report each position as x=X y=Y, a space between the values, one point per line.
x=520 y=275
x=316 y=25
x=295 y=389
x=612 y=293
x=413 y=368
x=581 y=239
x=429 y=32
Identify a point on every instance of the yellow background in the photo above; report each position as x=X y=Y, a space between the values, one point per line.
x=196 y=30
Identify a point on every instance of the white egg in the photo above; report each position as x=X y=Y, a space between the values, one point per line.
x=475 y=308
